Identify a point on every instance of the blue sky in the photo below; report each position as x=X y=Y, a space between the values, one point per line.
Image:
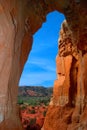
x=40 y=68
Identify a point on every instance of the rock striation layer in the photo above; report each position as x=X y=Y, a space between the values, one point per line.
x=19 y=20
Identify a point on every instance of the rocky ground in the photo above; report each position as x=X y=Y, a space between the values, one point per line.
x=32 y=118
x=33 y=104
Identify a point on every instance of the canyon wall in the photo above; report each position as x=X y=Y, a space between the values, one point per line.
x=68 y=106
x=19 y=20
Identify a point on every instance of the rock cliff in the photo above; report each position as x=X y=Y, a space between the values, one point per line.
x=67 y=109
x=19 y=20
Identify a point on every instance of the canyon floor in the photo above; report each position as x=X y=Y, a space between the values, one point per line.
x=33 y=104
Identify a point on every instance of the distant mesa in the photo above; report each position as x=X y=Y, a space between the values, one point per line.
x=35 y=91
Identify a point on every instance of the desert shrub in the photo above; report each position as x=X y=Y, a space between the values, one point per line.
x=26 y=122
x=23 y=107
x=44 y=113
x=34 y=101
x=20 y=101
x=32 y=111
x=32 y=121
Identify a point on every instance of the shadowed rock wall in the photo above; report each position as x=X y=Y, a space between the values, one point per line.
x=19 y=20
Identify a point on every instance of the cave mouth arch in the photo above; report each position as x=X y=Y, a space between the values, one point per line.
x=43 y=53
x=16 y=42
x=41 y=63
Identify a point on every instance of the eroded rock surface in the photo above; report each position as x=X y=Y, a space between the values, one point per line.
x=67 y=109
x=19 y=20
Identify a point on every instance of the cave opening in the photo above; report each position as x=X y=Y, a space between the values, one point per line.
x=41 y=60
x=19 y=20
x=40 y=67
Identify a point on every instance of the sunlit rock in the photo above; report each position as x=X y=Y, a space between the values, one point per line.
x=19 y=20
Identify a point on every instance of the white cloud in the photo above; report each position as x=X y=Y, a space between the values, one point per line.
x=46 y=64
x=36 y=78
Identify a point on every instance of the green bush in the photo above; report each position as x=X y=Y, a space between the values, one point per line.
x=34 y=101
x=44 y=113
x=23 y=107
x=20 y=101
x=32 y=121
x=32 y=111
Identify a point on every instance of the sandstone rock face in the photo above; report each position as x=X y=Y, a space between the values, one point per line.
x=67 y=109
x=19 y=20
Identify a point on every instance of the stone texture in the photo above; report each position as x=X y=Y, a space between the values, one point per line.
x=19 y=20
x=68 y=104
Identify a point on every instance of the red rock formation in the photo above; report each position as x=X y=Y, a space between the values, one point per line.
x=19 y=20
x=68 y=105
